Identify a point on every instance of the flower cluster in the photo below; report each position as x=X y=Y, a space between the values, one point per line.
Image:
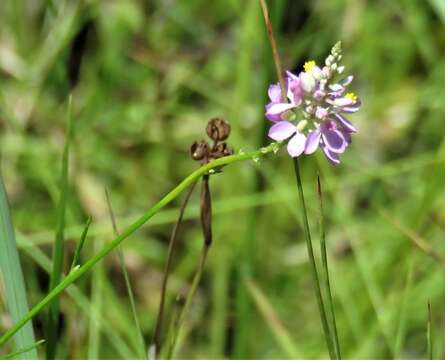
x=322 y=105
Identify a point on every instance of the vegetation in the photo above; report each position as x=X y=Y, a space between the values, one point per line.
x=145 y=78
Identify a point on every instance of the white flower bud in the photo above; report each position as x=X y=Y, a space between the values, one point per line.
x=301 y=125
x=340 y=69
x=334 y=66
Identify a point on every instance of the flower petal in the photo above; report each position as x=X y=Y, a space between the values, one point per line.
x=282 y=130
x=279 y=108
x=312 y=141
x=294 y=91
x=343 y=101
x=353 y=107
x=295 y=146
x=307 y=81
x=345 y=123
x=275 y=117
x=291 y=75
x=334 y=141
x=274 y=93
x=336 y=87
x=347 y=80
x=321 y=113
x=331 y=156
x=316 y=72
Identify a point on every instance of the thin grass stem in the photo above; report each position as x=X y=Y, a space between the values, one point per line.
x=429 y=333
x=15 y=354
x=58 y=250
x=188 y=301
x=142 y=346
x=327 y=283
x=170 y=252
x=81 y=243
x=307 y=233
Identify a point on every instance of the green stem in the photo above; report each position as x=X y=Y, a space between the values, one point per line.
x=171 y=248
x=310 y=250
x=188 y=302
x=428 y=333
x=59 y=243
x=327 y=282
x=77 y=273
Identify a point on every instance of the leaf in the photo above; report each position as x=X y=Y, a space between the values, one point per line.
x=13 y=277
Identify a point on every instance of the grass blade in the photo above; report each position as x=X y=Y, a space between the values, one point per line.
x=58 y=250
x=79 y=247
x=318 y=293
x=324 y=259
x=22 y=351
x=142 y=346
x=429 y=333
x=13 y=277
x=156 y=343
x=279 y=331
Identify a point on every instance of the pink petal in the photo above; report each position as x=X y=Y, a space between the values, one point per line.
x=274 y=93
x=295 y=146
x=346 y=81
x=312 y=141
x=332 y=157
x=282 y=130
x=279 y=108
x=343 y=101
x=307 y=81
x=334 y=141
x=345 y=123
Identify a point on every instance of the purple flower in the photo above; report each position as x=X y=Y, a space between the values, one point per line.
x=322 y=103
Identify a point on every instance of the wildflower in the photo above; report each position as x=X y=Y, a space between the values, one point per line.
x=321 y=103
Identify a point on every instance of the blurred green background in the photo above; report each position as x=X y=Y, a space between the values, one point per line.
x=145 y=77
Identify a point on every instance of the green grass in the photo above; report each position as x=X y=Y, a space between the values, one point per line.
x=150 y=78
x=13 y=279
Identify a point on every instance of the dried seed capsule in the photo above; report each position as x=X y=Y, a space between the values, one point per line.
x=199 y=150
x=220 y=151
x=218 y=129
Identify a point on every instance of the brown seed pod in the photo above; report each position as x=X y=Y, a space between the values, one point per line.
x=199 y=150
x=218 y=129
x=220 y=150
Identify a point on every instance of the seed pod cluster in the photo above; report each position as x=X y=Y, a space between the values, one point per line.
x=218 y=130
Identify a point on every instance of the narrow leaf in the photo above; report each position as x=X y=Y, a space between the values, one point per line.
x=142 y=346
x=58 y=250
x=79 y=247
x=23 y=351
x=13 y=277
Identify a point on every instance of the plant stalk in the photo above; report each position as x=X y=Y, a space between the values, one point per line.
x=307 y=233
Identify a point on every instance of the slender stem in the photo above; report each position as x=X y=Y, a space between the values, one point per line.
x=428 y=333
x=184 y=184
x=279 y=70
x=190 y=296
x=171 y=247
x=310 y=250
x=77 y=253
x=324 y=259
x=206 y=223
x=273 y=44
x=59 y=242
x=142 y=346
